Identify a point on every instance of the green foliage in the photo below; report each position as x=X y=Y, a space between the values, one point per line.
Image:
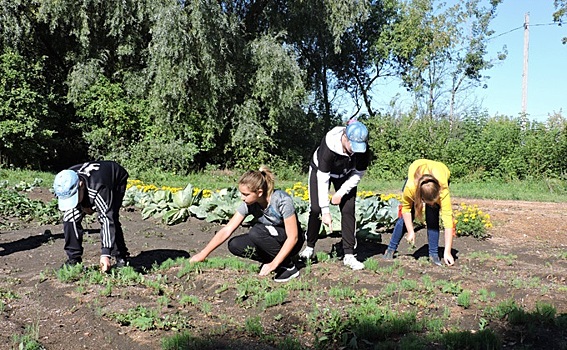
x=448 y=60
x=29 y=340
x=544 y=314
x=272 y=108
x=14 y=204
x=373 y=213
x=483 y=339
x=26 y=120
x=112 y=119
x=159 y=152
x=219 y=207
x=476 y=148
x=275 y=297
x=171 y=208
x=560 y=12
x=180 y=87
x=253 y=326
x=449 y=287
x=341 y=292
x=146 y=319
x=69 y=273
x=471 y=221
x=464 y=299
x=184 y=340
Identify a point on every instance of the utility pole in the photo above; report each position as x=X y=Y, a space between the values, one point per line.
x=525 y=71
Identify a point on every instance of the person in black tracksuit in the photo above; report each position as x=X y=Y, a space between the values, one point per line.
x=341 y=159
x=83 y=189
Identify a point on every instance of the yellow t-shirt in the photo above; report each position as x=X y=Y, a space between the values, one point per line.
x=442 y=174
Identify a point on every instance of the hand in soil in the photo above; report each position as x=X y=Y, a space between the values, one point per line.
x=410 y=238
x=266 y=269
x=198 y=257
x=104 y=263
x=449 y=260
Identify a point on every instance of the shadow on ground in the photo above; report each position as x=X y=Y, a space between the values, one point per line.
x=144 y=261
x=28 y=243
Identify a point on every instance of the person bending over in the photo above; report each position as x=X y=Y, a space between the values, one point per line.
x=427 y=185
x=87 y=188
x=341 y=159
x=274 y=238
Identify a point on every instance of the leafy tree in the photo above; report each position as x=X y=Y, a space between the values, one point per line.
x=315 y=28
x=231 y=91
x=369 y=51
x=452 y=44
x=112 y=120
x=25 y=114
x=560 y=14
x=272 y=108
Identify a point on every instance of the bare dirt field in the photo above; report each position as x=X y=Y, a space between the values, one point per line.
x=524 y=260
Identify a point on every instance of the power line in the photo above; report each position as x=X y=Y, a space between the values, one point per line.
x=522 y=27
x=510 y=31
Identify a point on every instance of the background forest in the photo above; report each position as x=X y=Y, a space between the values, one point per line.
x=182 y=86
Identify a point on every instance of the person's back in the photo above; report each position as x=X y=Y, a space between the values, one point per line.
x=87 y=187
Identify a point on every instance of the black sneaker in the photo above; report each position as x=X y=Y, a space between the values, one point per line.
x=72 y=262
x=121 y=262
x=435 y=259
x=284 y=274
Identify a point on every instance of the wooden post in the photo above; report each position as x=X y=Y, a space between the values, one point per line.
x=525 y=71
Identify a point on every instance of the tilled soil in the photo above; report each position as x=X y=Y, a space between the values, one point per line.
x=524 y=260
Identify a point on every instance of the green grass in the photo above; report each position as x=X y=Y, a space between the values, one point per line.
x=531 y=190
x=15 y=176
x=350 y=316
x=275 y=297
x=29 y=340
x=543 y=190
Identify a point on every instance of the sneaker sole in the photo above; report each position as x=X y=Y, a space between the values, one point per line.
x=280 y=280
x=355 y=268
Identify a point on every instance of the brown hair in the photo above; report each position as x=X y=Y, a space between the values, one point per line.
x=259 y=179
x=427 y=189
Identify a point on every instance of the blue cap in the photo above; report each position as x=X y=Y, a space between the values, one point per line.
x=357 y=134
x=66 y=188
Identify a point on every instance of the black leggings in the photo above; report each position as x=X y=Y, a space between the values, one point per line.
x=262 y=243
x=347 y=206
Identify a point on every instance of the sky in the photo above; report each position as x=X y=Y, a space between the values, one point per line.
x=546 y=69
x=547 y=62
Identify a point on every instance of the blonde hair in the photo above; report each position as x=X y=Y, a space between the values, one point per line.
x=427 y=190
x=255 y=180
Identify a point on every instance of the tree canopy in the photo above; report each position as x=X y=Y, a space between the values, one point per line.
x=183 y=85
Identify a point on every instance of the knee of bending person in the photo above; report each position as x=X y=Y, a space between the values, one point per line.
x=233 y=247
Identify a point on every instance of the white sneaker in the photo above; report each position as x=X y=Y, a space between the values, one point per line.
x=307 y=254
x=350 y=261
